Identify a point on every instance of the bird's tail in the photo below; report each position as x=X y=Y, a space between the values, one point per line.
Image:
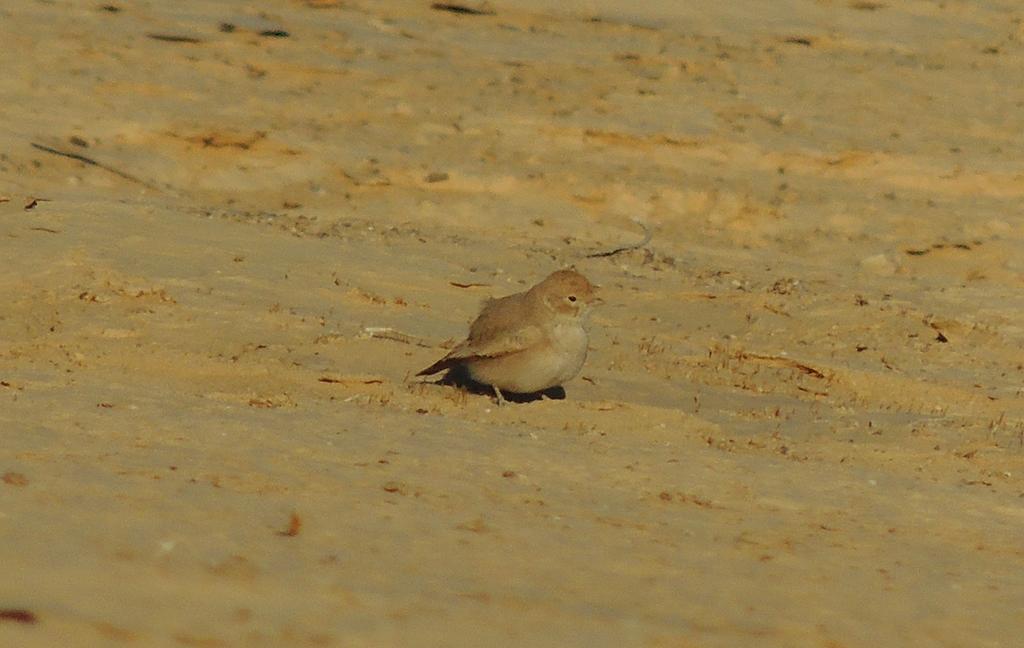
x=444 y=363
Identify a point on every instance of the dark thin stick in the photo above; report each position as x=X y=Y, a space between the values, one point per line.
x=18 y=616
x=779 y=360
x=92 y=162
x=461 y=9
x=625 y=248
x=174 y=38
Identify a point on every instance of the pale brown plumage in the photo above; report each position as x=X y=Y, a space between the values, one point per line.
x=529 y=341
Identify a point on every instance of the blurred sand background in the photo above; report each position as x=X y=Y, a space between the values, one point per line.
x=802 y=419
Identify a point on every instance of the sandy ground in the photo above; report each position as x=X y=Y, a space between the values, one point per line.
x=802 y=419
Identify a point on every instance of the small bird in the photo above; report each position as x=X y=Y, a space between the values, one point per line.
x=530 y=341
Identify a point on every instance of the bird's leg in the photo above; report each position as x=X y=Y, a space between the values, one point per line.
x=497 y=394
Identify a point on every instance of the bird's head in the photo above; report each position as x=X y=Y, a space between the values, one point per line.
x=568 y=293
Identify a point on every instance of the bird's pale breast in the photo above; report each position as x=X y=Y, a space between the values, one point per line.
x=546 y=365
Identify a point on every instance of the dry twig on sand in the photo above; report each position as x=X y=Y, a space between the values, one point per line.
x=785 y=362
x=625 y=248
x=388 y=333
x=92 y=162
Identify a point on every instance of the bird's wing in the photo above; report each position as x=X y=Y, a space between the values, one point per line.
x=499 y=343
x=504 y=326
x=501 y=329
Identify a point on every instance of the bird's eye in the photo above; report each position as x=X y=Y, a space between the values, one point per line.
x=572 y=298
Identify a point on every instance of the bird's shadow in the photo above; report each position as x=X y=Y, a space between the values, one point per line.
x=458 y=376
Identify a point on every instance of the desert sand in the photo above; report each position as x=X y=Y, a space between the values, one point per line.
x=232 y=233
